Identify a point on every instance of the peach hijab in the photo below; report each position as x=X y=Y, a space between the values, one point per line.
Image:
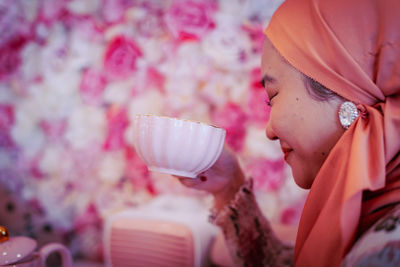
x=353 y=48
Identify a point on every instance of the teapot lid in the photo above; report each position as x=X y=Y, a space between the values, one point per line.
x=14 y=249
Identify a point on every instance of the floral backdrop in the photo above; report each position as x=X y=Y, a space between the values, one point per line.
x=73 y=74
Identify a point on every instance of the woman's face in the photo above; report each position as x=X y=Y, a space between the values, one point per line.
x=306 y=128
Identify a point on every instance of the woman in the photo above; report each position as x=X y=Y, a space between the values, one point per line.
x=350 y=164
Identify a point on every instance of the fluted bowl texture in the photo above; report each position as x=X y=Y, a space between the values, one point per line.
x=175 y=146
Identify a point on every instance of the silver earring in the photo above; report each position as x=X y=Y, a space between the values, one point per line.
x=348 y=113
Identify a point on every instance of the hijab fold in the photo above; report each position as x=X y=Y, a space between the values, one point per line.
x=353 y=48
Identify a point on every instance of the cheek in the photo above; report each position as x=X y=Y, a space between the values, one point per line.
x=279 y=122
x=322 y=138
x=289 y=124
x=286 y=111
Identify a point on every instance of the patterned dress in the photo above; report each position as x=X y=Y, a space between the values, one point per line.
x=251 y=241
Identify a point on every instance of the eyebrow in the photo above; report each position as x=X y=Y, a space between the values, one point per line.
x=267 y=79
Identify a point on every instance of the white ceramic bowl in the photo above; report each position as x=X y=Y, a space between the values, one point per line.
x=175 y=146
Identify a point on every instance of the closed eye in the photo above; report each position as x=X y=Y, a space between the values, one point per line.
x=268 y=101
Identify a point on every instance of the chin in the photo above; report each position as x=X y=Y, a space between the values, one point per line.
x=302 y=181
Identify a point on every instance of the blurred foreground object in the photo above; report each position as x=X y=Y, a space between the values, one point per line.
x=19 y=251
x=170 y=231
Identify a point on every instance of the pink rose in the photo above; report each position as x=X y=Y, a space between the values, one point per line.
x=10 y=58
x=83 y=162
x=232 y=118
x=155 y=78
x=257 y=103
x=137 y=173
x=291 y=215
x=151 y=24
x=113 y=10
x=88 y=225
x=268 y=175
x=117 y=123
x=50 y=11
x=11 y=20
x=6 y=141
x=6 y=122
x=88 y=218
x=120 y=57
x=92 y=86
x=6 y=117
x=151 y=79
x=190 y=19
x=53 y=130
x=257 y=36
x=88 y=27
x=34 y=168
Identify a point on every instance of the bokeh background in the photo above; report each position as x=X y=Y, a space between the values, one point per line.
x=73 y=75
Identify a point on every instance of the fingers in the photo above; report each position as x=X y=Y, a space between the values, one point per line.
x=192 y=182
x=188 y=181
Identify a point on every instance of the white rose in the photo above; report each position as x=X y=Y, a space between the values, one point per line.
x=227 y=46
x=188 y=60
x=111 y=166
x=25 y=131
x=221 y=87
x=83 y=7
x=118 y=92
x=269 y=204
x=258 y=145
x=52 y=159
x=86 y=125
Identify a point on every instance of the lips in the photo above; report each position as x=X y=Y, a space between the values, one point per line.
x=286 y=152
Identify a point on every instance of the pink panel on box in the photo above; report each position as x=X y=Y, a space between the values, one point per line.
x=141 y=242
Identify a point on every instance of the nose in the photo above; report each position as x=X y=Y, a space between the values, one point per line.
x=270 y=132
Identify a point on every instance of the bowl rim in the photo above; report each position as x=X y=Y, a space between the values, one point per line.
x=178 y=119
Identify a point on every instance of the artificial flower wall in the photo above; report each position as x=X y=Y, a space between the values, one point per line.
x=73 y=75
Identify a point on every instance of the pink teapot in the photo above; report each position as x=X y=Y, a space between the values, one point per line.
x=19 y=251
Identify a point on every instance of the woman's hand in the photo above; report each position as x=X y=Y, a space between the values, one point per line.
x=222 y=180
